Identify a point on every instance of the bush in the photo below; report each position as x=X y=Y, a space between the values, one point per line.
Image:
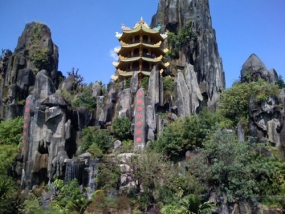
x=85 y=99
x=11 y=131
x=235 y=100
x=233 y=168
x=186 y=134
x=8 y=194
x=96 y=141
x=122 y=128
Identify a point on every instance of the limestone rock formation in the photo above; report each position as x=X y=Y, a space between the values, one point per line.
x=202 y=51
x=266 y=117
x=35 y=51
x=254 y=68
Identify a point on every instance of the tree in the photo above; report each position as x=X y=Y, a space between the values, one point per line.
x=8 y=194
x=280 y=82
x=85 y=98
x=11 y=131
x=96 y=141
x=186 y=134
x=234 y=101
x=122 y=128
x=233 y=168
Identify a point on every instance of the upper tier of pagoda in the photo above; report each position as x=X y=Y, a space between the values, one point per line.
x=140 y=50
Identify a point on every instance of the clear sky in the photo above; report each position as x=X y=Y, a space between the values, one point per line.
x=84 y=31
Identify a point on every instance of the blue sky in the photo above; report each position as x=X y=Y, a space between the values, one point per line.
x=84 y=31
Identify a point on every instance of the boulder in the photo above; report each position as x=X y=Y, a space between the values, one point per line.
x=96 y=90
x=254 y=68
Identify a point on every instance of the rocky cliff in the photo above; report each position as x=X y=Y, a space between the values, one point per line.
x=35 y=51
x=267 y=117
x=202 y=51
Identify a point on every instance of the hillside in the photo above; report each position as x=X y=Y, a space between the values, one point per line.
x=165 y=137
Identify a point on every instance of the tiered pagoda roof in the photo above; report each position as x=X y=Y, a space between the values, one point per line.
x=140 y=50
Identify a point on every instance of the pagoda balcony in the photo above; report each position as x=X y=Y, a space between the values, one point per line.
x=137 y=69
x=138 y=41
x=152 y=56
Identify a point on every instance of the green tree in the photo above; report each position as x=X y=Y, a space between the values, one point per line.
x=186 y=134
x=85 y=98
x=8 y=194
x=233 y=168
x=122 y=128
x=280 y=82
x=96 y=141
x=69 y=198
x=235 y=100
x=11 y=131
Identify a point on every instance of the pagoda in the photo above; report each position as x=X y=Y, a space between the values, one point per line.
x=140 y=50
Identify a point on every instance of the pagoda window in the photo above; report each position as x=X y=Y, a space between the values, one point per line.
x=137 y=39
x=136 y=52
x=145 y=38
x=145 y=52
x=145 y=66
x=135 y=66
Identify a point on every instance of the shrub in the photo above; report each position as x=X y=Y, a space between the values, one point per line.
x=11 y=131
x=234 y=101
x=96 y=141
x=85 y=99
x=233 y=168
x=122 y=128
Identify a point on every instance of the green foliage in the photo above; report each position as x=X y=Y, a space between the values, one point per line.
x=148 y=169
x=186 y=134
x=235 y=100
x=85 y=99
x=95 y=141
x=11 y=131
x=127 y=83
x=144 y=82
x=36 y=33
x=233 y=168
x=108 y=174
x=280 y=82
x=8 y=194
x=180 y=41
x=67 y=96
x=31 y=205
x=69 y=198
x=168 y=87
x=8 y=154
x=122 y=128
x=40 y=58
x=10 y=135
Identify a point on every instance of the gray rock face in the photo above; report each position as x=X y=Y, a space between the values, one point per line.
x=125 y=102
x=192 y=83
x=108 y=111
x=43 y=86
x=202 y=52
x=35 y=51
x=96 y=90
x=254 y=68
x=267 y=122
x=182 y=95
x=134 y=83
x=153 y=85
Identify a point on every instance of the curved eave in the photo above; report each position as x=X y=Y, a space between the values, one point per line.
x=140 y=43
x=130 y=59
x=123 y=48
x=131 y=73
x=151 y=59
x=140 y=28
